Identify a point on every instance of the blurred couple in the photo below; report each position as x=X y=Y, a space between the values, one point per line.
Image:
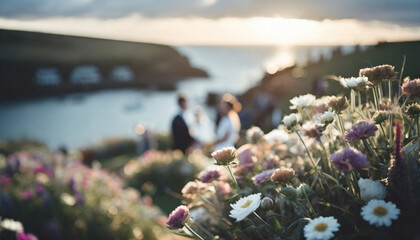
x=227 y=128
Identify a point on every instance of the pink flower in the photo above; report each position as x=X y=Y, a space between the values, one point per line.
x=5 y=180
x=27 y=194
x=178 y=218
x=23 y=236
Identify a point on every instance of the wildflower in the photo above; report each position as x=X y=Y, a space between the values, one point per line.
x=379 y=74
x=244 y=154
x=5 y=180
x=302 y=101
x=291 y=120
x=39 y=189
x=355 y=82
x=380 y=213
x=207 y=176
x=266 y=204
x=245 y=206
x=262 y=177
x=380 y=116
x=11 y=225
x=338 y=104
x=370 y=189
x=327 y=117
x=192 y=188
x=360 y=130
x=321 y=228
x=411 y=87
x=272 y=161
x=178 y=217
x=312 y=130
x=254 y=134
x=224 y=156
x=23 y=236
x=282 y=175
x=276 y=135
x=27 y=194
x=413 y=109
x=348 y=159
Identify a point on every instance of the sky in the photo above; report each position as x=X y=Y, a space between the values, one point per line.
x=221 y=22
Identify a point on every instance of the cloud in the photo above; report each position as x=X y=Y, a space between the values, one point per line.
x=394 y=11
x=223 y=31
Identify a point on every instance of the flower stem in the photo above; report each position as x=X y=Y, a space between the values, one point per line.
x=193 y=232
x=369 y=148
x=309 y=155
x=262 y=220
x=238 y=189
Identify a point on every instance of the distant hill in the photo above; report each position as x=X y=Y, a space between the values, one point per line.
x=294 y=81
x=39 y=64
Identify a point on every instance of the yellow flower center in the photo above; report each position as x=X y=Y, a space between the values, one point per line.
x=246 y=204
x=321 y=227
x=380 y=211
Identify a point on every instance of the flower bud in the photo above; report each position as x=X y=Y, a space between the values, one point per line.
x=338 y=104
x=380 y=116
x=413 y=109
x=303 y=190
x=291 y=120
x=289 y=192
x=266 y=204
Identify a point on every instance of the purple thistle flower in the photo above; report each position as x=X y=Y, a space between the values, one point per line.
x=262 y=177
x=272 y=161
x=178 y=217
x=348 y=159
x=360 y=130
x=207 y=176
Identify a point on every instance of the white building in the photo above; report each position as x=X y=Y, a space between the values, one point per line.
x=122 y=74
x=47 y=77
x=86 y=74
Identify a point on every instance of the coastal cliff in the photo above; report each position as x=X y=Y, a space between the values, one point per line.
x=39 y=64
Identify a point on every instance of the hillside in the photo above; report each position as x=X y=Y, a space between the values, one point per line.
x=293 y=81
x=22 y=54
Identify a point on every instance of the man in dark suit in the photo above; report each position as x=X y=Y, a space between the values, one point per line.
x=180 y=134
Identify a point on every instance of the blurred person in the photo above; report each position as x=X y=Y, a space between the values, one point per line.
x=181 y=137
x=201 y=128
x=229 y=124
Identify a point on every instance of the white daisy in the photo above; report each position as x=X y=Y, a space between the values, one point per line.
x=380 y=213
x=245 y=206
x=302 y=101
x=291 y=120
x=276 y=135
x=12 y=225
x=354 y=82
x=321 y=228
x=370 y=189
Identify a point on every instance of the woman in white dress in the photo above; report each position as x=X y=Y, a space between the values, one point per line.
x=230 y=124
